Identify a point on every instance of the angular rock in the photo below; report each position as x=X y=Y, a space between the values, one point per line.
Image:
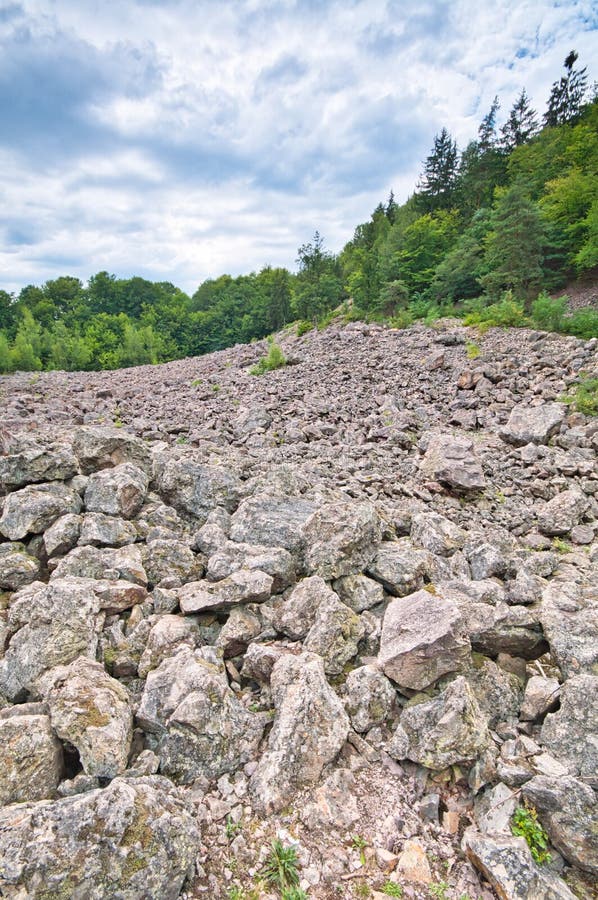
x=116 y=596
x=451 y=460
x=437 y=534
x=134 y=839
x=167 y=635
x=195 y=488
x=399 y=567
x=95 y=562
x=102 y=447
x=441 y=732
x=498 y=692
x=91 y=711
x=273 y=521
x=259 y=661
x=243 y=586
x=30 y=759
x=340 y=539
x=241 y=627
x=30 y=463
x=566 y=808
x=494 y=809
x=541 y=696
x=309 y=730
x=117 y=492
x=34 y=508
x=569 y=617
x=359 y=592
x=413 y=865
x=334 y=803
x=50 y=625
x=229 y=556
x=422 y=639
x=563 y=512
x=369 y=697
x=506 y=862
x=17 y=567
x=335 y=634
x=170 y=559
x=202 y=728
x=571 y=733
x=295 y=614
x=100 y=530
x=499 y=628
x=63 y=535
x=532 y=424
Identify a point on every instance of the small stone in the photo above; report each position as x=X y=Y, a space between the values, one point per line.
x=413 y=865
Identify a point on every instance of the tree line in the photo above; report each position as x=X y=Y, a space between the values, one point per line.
x=511 y=216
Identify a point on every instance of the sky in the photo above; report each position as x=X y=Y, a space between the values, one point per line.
x=182 y=139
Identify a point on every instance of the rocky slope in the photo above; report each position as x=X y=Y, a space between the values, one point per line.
x=350 y=605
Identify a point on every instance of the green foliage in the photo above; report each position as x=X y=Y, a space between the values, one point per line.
x=524 y=823
x=547 y=313
x=439 y=890
x=293 y=893
x=507 y=313
x=583 y=323
x=359 y=843
x=392 y=889
x=274 y=360
x=472 y=350
x=514 y=243
x=231 y=828
x=584 y=396
x=280 y=868
x=303 y=327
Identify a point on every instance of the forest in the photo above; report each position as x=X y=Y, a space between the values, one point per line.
x=491 y=233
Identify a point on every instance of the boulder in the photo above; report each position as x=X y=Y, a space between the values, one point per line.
x=229 y=556
x=436 y=533
x=422 y=639
x=273 y=521
x=202 y=728
x=399 y=567
x=441 y=732
x=340 y=539
x=101 y=447
x=30 y=759
x=309 y=730
x=117 y=492
x=49 y=625
x=533 y=424
x=243 y=586
x=369 y=697
x=34 y=508
x=541 y=696
x=498 y=692
x=101 y=530
x=168 y=633
x=241 y=627
x=170 y=559
x=359 y=592
x=30 y=463
x=571 y=733
x=135 y=840
x=91 y=711
x=98 y=563
x=195 y=488
x=335 y=634
x=506 y=862
x=62 y=535
x=295 y=614
x=566 y=808
x=563 y=512
x=17 y=567
x=569 y=617
x=451 y=460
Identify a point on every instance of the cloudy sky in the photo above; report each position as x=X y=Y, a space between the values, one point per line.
x=180 y=139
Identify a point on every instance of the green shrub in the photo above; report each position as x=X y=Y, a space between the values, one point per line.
x=507 y=313
x=472 y=350
x=392 y=889
x=547 y=312
x=274 y=360
x=584 y=397
x=303 y=327
x=583 y=323
x=401 y=319
x=525 y=824
x=281 y=866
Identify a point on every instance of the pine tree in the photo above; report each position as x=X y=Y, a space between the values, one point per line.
x=391 y=208
x=439 y=180
x=521 y=125
x=487 y=129
x=567 y=94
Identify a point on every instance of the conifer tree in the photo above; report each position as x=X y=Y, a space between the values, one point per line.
x=521 y=125
x=567 y=94
x=439 y=180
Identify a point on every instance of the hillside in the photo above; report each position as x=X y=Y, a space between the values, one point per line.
x=349 y=605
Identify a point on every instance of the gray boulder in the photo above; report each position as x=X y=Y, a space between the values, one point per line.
x=498 y=692
x=309 y=730
x=369 y=697
x=49 y=625
x=241 y=627
x=134 y=840
x=62 y=535
x=17 y=567
x=566 y=808
x=399 y=567
x=569 y=617
x=506 y=862
x=101 y=447
x=359 y=592
x=103 y=562
x=340 y=539
x=202 y=728
x=441 y=732
x=436 y=533
x=30 y=759
x=101 y=530
x=295 y=614
x=335 y=634
x=170 y=559
x=533 y=424
x=422 y=639
x=571 y=733
x=563 y=512
x=195 y=488
x=34 y=508
x=117 y=492
x=91 y=711
x=243 y=586
x=273 y=521
x=168 y=633
x=541 y=696
x=29 y=463
x=451 y=460
x=229 y=556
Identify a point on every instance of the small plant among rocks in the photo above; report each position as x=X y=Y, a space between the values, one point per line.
x=280 y=869
x=274 y=360
x=359 y=843
x=525 y=824
x=392 y=889
x=584 y=397
x=472 y=350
